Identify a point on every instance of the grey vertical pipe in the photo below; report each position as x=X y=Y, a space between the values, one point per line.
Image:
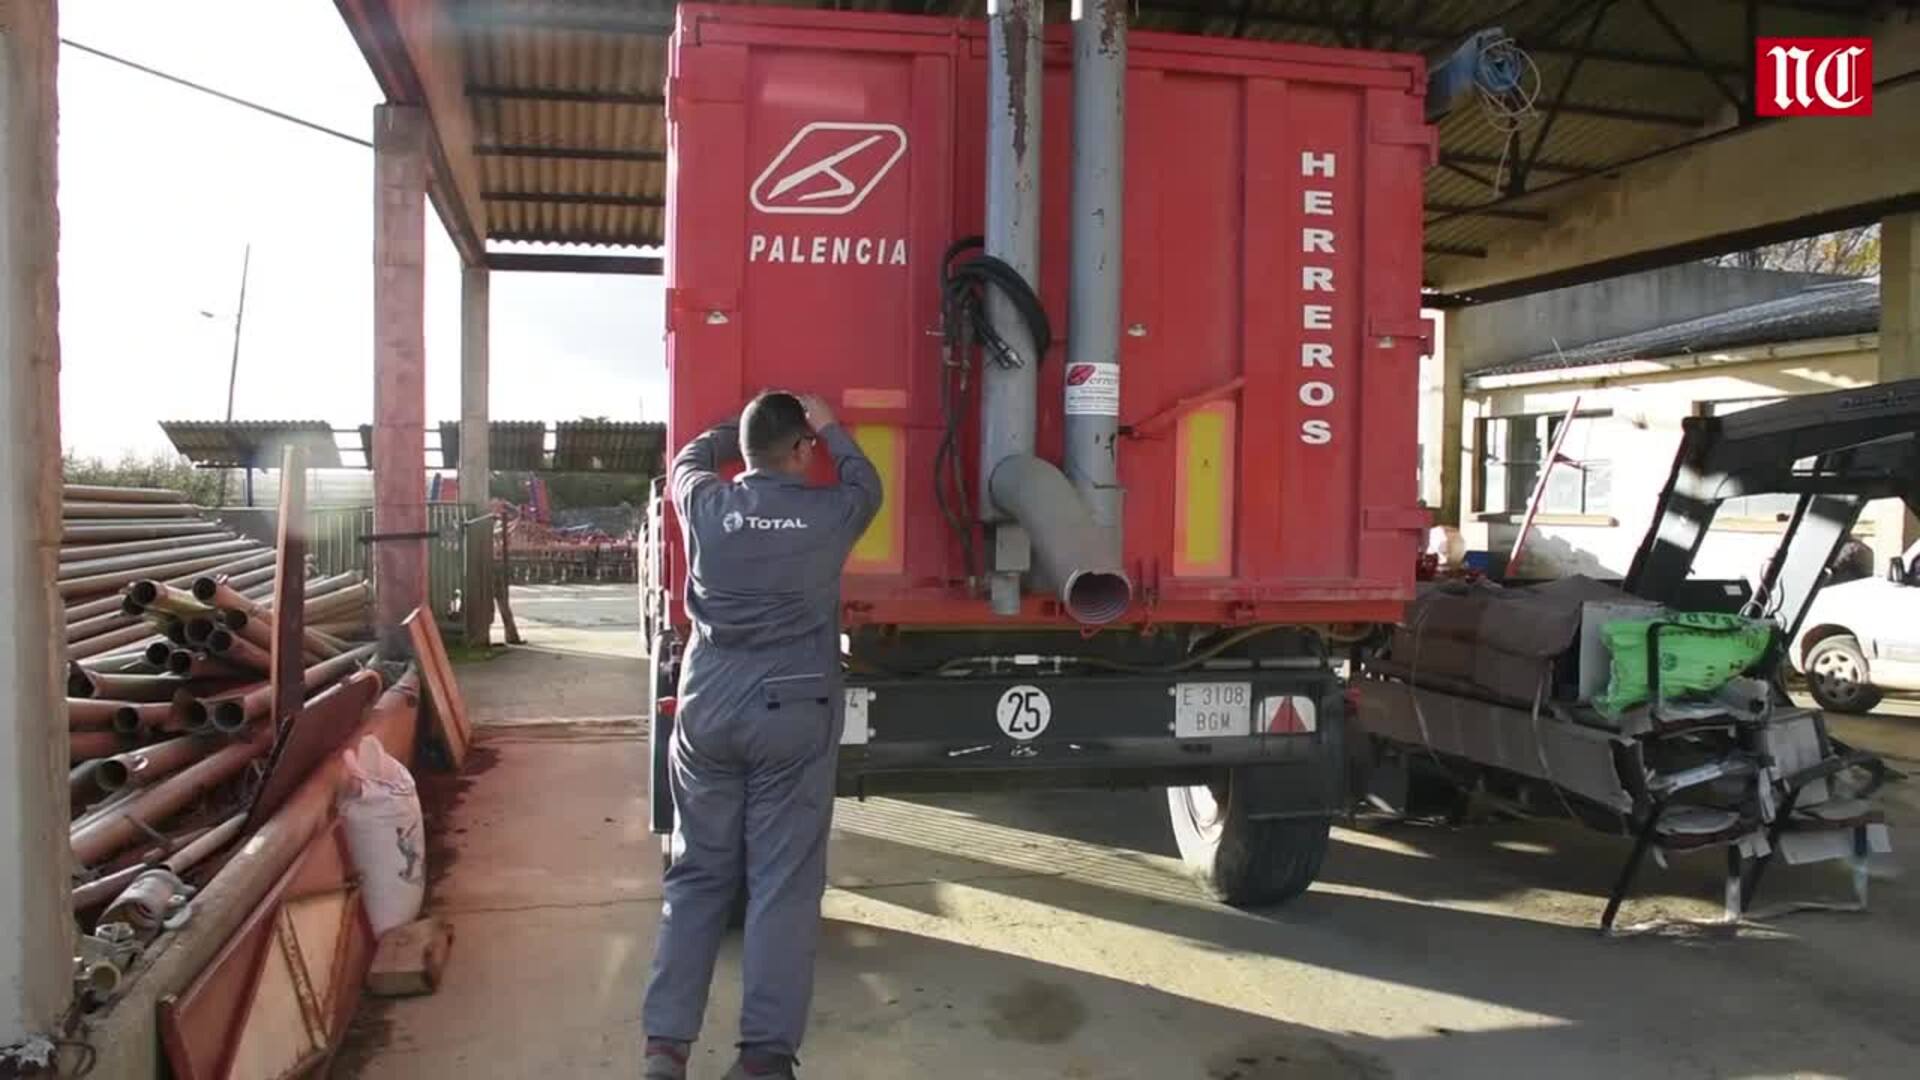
x=1008 y=395
x=1093 y=289
x=1013 y=227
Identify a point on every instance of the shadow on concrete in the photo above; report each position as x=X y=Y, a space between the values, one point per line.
x=1726 y=1006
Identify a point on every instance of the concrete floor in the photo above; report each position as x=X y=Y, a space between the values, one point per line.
x=1054 y=936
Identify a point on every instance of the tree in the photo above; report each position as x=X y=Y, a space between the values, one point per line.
x=1851 y=252
x=160 y=470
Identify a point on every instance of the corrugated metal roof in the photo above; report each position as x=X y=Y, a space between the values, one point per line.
x=517 y=446
x=257 y=444
x=567 y=116
x=606 y=446
x=1823 y=311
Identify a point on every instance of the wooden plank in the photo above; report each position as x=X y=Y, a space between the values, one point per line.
x=410 y=959
x=450 y=713
x=290 y=592
x=504 y=583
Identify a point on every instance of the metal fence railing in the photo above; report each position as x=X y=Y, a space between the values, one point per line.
x=334 y=541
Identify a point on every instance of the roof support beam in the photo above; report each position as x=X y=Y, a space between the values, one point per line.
x=601 y=19
x=416 y=58
x=569 y=153
x=589 y=97
x=1508 y=213
x=1771 y=180
x=1419 y=36
x=1680 y=38
x=1517 y=182
x=574 y=198
x=1632 y=116
x=515 y=261
x=1492 y=161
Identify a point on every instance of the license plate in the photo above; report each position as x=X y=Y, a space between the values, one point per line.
x=1212 y=710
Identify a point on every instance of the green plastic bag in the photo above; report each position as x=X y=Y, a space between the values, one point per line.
x=1699 y=652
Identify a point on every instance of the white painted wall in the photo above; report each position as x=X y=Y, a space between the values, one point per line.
x=1640 y=440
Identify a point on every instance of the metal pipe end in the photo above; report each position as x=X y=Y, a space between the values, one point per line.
x=229 y=718
x=197 y=716
x=130 y=606
x=201 y=629
x=126 y=722
x=231 y=619
x=204 y=589
x=144 y=592
x=79 y=682
x=175 y=631
x=180 y=662
x=1097 y=597
x=218 y=641
x=160 y=654
x=100 y=979
x=111 y=774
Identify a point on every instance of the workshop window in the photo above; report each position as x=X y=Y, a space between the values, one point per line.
x=1753 y=510
x=1515 y=449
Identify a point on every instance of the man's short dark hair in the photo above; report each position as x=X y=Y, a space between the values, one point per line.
x=771 y=424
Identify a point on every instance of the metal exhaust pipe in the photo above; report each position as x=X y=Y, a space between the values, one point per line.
x=1069 y=548
x=1041 y=524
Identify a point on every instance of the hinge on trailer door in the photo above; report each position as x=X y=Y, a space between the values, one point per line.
x=1385 y=332
x=1425 y=136
x=1414 y=519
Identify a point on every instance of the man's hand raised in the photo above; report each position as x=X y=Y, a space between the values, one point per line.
x=819 y=413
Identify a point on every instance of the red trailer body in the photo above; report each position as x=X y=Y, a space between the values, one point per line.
x=822 y=162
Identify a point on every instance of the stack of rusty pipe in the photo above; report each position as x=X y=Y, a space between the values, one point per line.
x=170 y=628
x=113 y=536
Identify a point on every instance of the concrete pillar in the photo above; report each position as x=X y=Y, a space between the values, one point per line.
x=1452 y=397
x=475 y=450
x=1900 y=333
x=400 y=135
x=36 y=925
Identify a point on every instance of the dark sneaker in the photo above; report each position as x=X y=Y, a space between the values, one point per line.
x=761 y=1067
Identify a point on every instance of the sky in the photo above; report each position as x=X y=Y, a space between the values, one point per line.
x=162 y=188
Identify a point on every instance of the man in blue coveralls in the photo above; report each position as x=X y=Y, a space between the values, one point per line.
x=758 y=726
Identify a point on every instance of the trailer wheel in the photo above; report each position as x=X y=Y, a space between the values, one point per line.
x=1244 y=862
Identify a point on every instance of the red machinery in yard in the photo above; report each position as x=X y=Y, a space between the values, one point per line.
x=1111 y=557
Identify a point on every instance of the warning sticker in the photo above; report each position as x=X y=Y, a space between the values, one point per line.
x=1093 y=389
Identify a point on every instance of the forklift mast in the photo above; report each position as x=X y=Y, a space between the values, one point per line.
x=1837 y=451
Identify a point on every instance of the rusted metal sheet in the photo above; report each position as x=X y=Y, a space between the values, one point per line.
x=320 y=729
x=275 y=1001
x=442 y=689
x=285 y=663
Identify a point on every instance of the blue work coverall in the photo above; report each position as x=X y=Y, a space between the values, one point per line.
x=757 y=731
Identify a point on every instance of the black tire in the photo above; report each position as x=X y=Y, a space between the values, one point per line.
x=1243 y=862
x=1838 y=676
x=663 y=677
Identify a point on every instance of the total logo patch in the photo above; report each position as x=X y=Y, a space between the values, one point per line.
x=734 y=521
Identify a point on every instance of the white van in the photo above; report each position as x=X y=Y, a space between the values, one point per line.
x=1862 y=638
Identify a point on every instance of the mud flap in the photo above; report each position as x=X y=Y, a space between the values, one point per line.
x=1311 y=781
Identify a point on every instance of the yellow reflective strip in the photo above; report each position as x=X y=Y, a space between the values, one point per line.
x=881 y=443
x=1205 y=465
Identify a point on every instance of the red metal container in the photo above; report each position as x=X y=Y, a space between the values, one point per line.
x=822 y=162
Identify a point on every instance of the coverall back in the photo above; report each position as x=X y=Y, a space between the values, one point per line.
x=756 y=732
